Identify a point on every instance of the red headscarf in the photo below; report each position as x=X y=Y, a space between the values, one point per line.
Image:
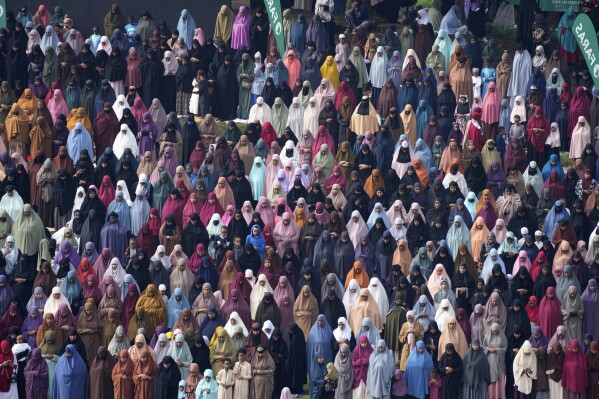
x=323 y=137
x=532 y=311
x=129 y=303
x=9 y=321
x=360 y=361
x=464 y=322
x=579 y=106
x=268 y=134
x=208 y=210
x=106 y=191
x=550 y=316
x=5 y=372
x=82 y=274
x=195 y=260
x=154 y=223
x=537 y=265
x=269 y=239
x=244 y=289
x=586 y=183
x=332 y=179
x=572 y=379
x=538 y=128
x=565 y=94
x=556 y=186
x=474 y=132
x=191 y=208
x=145 y=238
x=196 y=159
x=345 y=91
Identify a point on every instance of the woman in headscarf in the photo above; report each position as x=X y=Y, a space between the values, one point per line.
x=180 y=353
x=90 y=326
x=36 y=376
x=224 y=25
x=70 y=369
x=525 y=371
x=417 y=371
x=549 y=313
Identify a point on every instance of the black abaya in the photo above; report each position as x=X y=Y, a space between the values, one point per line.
x=190 y=134
x=227 y=91
x=451 y=381
x=296 y=360
x=152 y=70
x=166 y=383
x=193 y=234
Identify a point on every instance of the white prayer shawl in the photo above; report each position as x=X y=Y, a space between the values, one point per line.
x=122 y=187
x=52 y=303
x=78 y=200
x=311 y=114
x=119 y=106
x=525 y=368
x=295 y=118
x=377 y=292
x=125 y=139
x=444 y=313
x=350 y=298
x=257 y=294
x=12 y=205
x=230 y=327
x=261 y=113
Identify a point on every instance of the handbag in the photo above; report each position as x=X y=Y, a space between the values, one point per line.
x=246 y=85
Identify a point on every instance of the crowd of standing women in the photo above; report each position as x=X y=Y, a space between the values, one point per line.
x=394 y=220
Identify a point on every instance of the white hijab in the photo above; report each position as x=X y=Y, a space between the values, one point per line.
x=230 y=327
x=124 y=139
x=52 y=303
x=78 y=200
x=166 y=262
x=118 y=108
x=257 y=294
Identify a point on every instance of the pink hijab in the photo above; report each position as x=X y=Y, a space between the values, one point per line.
x=522 y=260
x=138 y=110
x=191 y=208
x=264 y=209
x=272 y=171
x=286 y=235
x=57 y=105
x=199 y=36
x=323 y=137
x=293 y=67
x=491 y=105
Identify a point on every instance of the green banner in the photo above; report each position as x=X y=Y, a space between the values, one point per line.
x=552 y=5
x=557 y=5
x=586 y=37
x=2 y=13
x=276 y=23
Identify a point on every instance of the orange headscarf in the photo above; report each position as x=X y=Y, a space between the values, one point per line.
x=373 y=182
x=402 y=257
x=487 y=192
x=358 y=273
x=478 y=236
x=28 y=104
x=420 y=171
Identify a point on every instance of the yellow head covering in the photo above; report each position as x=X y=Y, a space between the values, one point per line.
x=330 y=71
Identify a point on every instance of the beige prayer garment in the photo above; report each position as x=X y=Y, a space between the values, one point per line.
x=243 y=375
x=225 y=379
